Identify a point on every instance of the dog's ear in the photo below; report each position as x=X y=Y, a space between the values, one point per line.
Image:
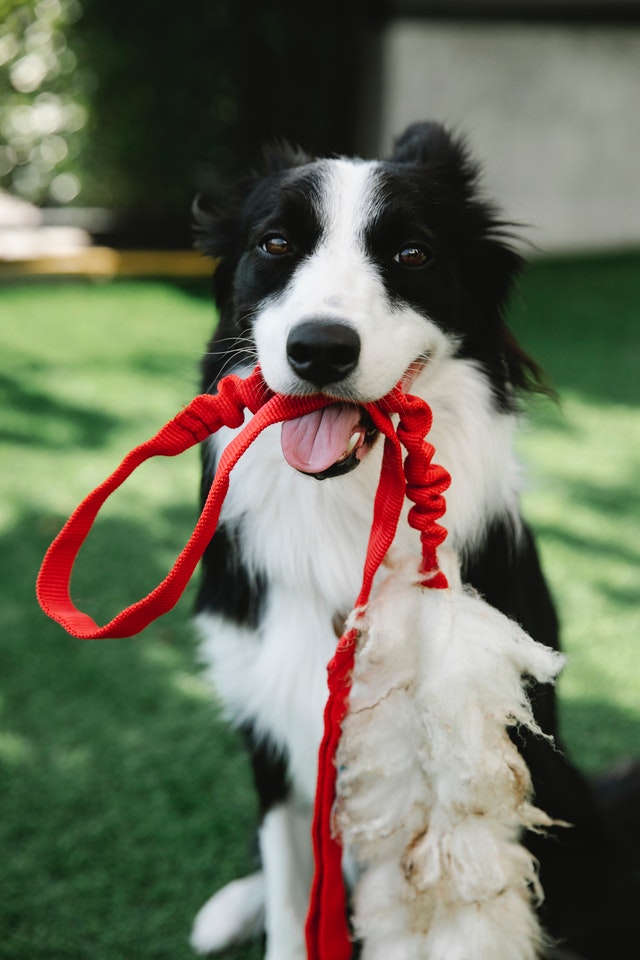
x=490 y=262
x=214 y=229
x=430 y=144
x=281 y=155
x=422 y=143
x=218 y=214
x=215 y=214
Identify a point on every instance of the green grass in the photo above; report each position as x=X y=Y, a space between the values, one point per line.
x=580 y=318
x=124 y=799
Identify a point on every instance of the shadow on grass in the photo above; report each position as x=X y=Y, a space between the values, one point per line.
x=51 y=423
x=606 y=727
x=199 y=289
x=125 y=801
x=579 y=317
x=607 y=503
x=601 y=554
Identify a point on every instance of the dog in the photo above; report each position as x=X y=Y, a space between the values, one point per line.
x=347 y=276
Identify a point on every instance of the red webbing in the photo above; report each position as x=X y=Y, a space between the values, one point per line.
x=202 y=417
x=327 y=926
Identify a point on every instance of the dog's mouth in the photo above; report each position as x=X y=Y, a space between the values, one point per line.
x=328 y=442
x=332 y=441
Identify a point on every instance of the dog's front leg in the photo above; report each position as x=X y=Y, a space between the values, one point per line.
x=285 y=845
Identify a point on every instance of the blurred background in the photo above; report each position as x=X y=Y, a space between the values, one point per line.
x=125 y=801
x=113 y=114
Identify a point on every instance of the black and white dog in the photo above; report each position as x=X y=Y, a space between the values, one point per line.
x=347 y=277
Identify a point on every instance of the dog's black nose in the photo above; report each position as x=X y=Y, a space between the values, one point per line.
x=323 y=351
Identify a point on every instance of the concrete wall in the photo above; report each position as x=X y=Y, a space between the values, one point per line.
x=553 y=112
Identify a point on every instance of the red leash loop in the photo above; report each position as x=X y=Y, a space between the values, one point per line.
x=202 y=417
x=423 y=483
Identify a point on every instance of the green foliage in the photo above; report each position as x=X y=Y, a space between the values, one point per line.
x=113 y=104
x=139 y=106
x=42 y=100
x=162 y=102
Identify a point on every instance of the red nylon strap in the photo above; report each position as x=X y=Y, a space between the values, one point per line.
x=203 y=416
x=425 y=484
x=327 y=931
x=327 y=928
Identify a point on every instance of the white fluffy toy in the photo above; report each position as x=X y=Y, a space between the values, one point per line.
x=433 y=795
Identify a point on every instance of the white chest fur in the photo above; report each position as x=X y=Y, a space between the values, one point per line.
x=308 y=539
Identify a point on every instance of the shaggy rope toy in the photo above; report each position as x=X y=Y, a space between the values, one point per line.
x=417 y=773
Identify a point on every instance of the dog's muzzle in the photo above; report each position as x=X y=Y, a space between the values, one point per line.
x=322 y=351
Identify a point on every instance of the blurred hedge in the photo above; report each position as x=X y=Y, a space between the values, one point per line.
x=43 y=100
x=149 y=101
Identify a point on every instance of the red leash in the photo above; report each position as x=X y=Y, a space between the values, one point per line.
x=418 y=479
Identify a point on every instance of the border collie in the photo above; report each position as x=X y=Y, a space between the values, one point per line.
x=347 y=277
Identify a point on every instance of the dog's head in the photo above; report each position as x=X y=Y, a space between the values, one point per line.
x=348 y=277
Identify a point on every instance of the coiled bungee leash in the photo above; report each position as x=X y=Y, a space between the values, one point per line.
x=412 y=476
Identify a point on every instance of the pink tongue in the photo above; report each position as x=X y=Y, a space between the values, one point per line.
x=314 y=442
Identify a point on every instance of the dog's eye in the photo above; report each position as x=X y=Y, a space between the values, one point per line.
x=276 y=246
x=414 y=255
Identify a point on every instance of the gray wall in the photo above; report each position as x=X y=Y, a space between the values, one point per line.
x=552 y=110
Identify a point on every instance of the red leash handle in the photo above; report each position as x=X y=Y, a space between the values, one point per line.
x=203 y=416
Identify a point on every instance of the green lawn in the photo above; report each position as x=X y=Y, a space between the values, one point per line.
x=124 y=799
x=581 y=318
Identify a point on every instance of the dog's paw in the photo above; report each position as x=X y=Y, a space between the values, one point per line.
x=232 y=915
